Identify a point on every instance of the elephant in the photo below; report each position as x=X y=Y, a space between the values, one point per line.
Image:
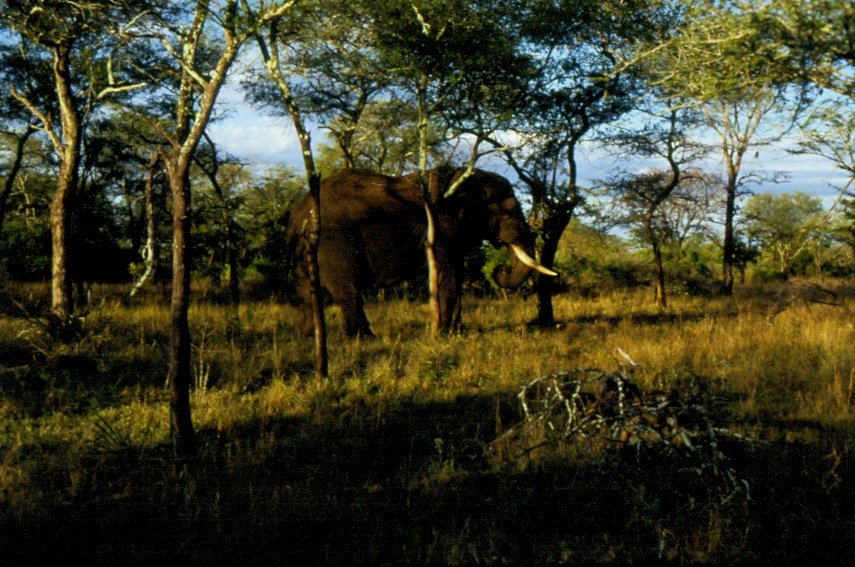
x=373 y=229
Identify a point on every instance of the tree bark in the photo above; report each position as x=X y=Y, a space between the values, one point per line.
x=661 y=297
x=9 y=182
x=270 y=55
x=433 y=271
x=729 y=236
x=317 y=298
x=180 y=372
x=60 y=209
x=150 y=251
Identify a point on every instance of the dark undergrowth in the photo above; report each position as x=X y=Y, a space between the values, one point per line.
x=401 y=492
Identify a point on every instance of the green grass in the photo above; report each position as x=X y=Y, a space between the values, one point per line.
x=394 y=458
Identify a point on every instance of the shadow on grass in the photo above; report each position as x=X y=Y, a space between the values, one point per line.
x=412 y=483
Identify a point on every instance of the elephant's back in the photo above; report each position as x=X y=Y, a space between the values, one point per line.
x=357 y=194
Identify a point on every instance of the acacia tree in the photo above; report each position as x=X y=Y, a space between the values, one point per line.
x=340 y=78
x=577 y=82
x=84 y=46
x=269 y=38
x=806 y=41
x=783 y=225
x=203 y=45
x=345 y=89
x=730 y=71
x=667 y=137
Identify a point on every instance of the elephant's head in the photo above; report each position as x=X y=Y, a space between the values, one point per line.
x=504 y=225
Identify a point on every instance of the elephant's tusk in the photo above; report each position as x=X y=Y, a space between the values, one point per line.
x=529 y=261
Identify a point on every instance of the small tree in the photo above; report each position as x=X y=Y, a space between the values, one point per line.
x=269 y=40
x=666 y=137
x=452 y=59
x=783 y=225
x=201 y=75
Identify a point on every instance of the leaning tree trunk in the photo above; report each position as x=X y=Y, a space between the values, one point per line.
x=270 y=55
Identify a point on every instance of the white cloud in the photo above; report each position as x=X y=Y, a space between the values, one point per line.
x=259 y=140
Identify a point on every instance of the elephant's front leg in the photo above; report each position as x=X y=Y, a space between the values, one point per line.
x=355 y=322
x=449 y=313
x=449 y=291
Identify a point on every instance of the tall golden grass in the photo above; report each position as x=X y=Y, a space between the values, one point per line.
x=86 y=421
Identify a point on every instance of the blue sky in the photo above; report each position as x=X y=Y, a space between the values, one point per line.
x=267 y=140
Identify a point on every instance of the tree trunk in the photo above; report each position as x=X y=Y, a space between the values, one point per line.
x=150 y=251
x=553 y=227
x=729 y=237
x=317 y=297
x=661 y=298
x=270 y=55
x=433 y=274
x=61 y=303
x=180 y=373
x=544 y=285
x=60 y=209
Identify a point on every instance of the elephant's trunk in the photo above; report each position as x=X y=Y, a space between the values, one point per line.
x=513 y=276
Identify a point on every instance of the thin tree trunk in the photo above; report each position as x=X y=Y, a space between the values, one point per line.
x=317 y=298
x=729 y=238
x=12 y=175
x=270 y=55
x=181 y=424
x=661 y=298
x=430 y=218
x=149 y=252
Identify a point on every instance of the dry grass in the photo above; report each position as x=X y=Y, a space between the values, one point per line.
x=388 y=460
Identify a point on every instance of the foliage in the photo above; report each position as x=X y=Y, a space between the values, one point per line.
x=783 y=224
x=809 y=41
x=25 y=251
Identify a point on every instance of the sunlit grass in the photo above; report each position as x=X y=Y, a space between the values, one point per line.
x=70 y=412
